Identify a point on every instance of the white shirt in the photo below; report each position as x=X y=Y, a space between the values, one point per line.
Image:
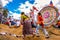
x=17 y=23
x=12 y=19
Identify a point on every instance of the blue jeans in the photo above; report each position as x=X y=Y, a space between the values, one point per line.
x=43 y=29
x=33 y=25
x=37 y=28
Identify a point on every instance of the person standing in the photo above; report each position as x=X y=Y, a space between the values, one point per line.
x=1 y=17
x=27 y=28
x=40 y=24
x=18 y=23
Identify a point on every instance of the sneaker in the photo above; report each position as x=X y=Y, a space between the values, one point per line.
x=47 y=36
x=37 y=35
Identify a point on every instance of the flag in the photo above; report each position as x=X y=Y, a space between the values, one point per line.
x=31 y=13
x=34 y=8
x=51 y=3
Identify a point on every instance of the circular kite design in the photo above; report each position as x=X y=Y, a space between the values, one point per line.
x=49 y=15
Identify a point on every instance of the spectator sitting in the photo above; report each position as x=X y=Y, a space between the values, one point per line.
x=12 y=20
x=17 y=23
x=58 y=24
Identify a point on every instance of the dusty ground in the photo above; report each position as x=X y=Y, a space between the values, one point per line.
x=54 y=34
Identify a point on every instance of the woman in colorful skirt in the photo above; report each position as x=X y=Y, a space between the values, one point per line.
x=27 y=29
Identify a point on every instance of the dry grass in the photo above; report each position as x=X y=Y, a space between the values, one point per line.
x=54 y=34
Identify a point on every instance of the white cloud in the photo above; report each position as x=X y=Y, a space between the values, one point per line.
x=15 y=15
x=15 y=10
x=39 y=4
x=58 y=5
x=5 y=2
x=23 y=8
x=10 y=0
x=10 y=12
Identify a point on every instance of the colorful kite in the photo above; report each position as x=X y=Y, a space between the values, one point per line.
x=49 y=14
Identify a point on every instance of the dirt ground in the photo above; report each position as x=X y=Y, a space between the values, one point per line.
x=54 y=33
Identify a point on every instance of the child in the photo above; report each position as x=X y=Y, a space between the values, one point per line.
x=40 y=24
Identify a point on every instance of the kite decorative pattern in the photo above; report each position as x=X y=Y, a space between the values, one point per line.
x=49 y=14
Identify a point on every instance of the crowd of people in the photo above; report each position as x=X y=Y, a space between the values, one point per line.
x=10 y=21
x=28 y=23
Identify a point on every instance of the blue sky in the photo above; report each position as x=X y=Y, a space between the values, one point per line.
x=15 y=7
x=12 y=6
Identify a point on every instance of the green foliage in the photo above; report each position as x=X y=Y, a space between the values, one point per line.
x=5 y=12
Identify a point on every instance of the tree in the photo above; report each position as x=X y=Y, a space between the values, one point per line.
x=5 y=12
